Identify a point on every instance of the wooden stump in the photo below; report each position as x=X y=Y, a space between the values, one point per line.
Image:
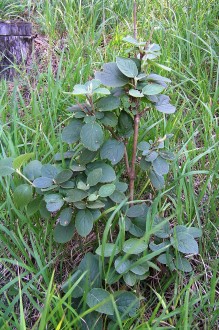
x=15 y=46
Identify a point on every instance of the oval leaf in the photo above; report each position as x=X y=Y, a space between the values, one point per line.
x=112 y=150
x=22 y=195
x=63 y=234
x=65 y=216
x=102 y=297
x=127 y=67
x=92 y=136
x=84 y=222
x=134 y=246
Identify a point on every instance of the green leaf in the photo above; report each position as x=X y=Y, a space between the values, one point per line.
x=33 y=170
x=152 y=89
x=63 y=234
x=129 y=278
x=183 y=264
x=22 y=195
x=144 y=165
x=33 y=206
x=96 y=205
x=194 y=232
x=122 y=266
x=45 y=214
x=144 y=146
x=125 y=124
x=75 y=167
x=108 y=174
x=127 y=304
x=20 y=160
x=159 y=79
x=156 y=180
x=156 y=247
x=127 y=67
x=107 y=250
x=79 y=90
x=160 y=166
x=164 y=106
x=138 y=226
x=109 y=119
x=150 y=156
x=86 y=156
x=92 y=136
x=42 y=182
x=71 y=133
x=108 y=103
x=111 y=76
x=185 y=243
x=164 y=230
x=107 y=190
x=49 y=171
x=135 y=93
x=75 y=195
x=121 y=186
x=92 y=321
x=140 y=269
x=97 y=296
x=65 y=216
x=6 y=166
x=63 y=176
x=54 y=202
x=84 y=222
x=112 y=150
x=134 y=246
x=91 y=265
x=133 y=41
x=117 y=197
x=167 y=155
x=166 y=259
x=102 y=90
x=137 y=211
x=94 y=176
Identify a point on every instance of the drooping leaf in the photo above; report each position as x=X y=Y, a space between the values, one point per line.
x=71 y=133
x=134 y=246
x=109 y=119
x=108 y=103
x=194 y=232
x=152 y=89
x=112 y=150
x=160 y=166
x=84 y=222
x=127 y=67
x=43 y=182
x=107 y=250
x=63 y=234
x=184 y=243
x=20 y=160
x=159 y=79
x=65 y=216
x=97 y=296
x=157 y=247
x=63 y=176
x=96 y=205
x=22 y=195
x=92 y=136
x=156 y=180
x=107 y=190
x=111 y=76
x=6 y=166
x=138 y=226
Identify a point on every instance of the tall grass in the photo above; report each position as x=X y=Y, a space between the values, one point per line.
x=79 y=36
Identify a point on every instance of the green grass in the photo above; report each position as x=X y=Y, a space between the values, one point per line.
x=32 y=114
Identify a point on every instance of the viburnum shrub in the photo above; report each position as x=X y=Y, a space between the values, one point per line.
x=98 y=173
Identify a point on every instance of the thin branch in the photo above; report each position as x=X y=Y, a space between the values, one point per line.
x=134 y=152
x=135 y=19
x=126 y=160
